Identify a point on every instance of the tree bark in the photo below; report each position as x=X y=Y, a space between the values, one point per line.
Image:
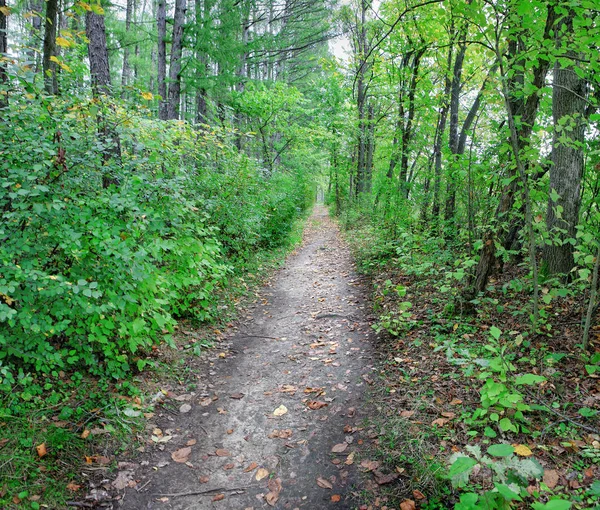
x=568 y=113
x=126 y=72
x=100 y=75
x=161 y=58
x=49 y=67
x=175 y=63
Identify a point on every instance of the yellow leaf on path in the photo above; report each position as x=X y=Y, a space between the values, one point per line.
x=280 y=411
x=523 y=450
x=261 y=473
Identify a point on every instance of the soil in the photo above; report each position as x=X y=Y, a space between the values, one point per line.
x=282 y=398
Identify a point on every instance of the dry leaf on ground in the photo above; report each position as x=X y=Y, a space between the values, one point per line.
x=221 y=452
x=339 y=448
x=551 y=478
x=72 y=486
x=316 y=404
x=370 y=465
x=41 y=450
x=218 y=497
x=324 y=483
x=408 y=504
x=261 y=473
x=335 y=498
x=280 y=411
x=181 y=455
x=251 y=467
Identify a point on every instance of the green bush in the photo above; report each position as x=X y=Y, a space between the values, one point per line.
x=93 y=277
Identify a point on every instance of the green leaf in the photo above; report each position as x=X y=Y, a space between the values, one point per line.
x=505 y=425
x=500 y=450
x=495 y=332
x=461 y=465
x=507 y=493
x=529 y=379
x=553 y=504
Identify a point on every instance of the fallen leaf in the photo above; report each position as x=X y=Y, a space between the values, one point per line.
x=408 y=504
x=418 y=494
x=280 y=411
x=218 y=497
x=204 y=479
x=229 y=431
x=41 y=450
x=324 y=483
x=220 y=452
x=454 y=402
x=382 y=479
x=237 y=396
x=335 y=498
x=185 y=408
x=370 y=465
x=251 y=467
x=72 y=486
x=523 y=450
x=191 y=442
x=288 y=388
x=271 y=498
x=101 y=459
x=85 y=433
x=181 y=455
x=261 y=473
x=551 y=478
x=406 y=414
x=449 y=415
x=339 y=448
x=350 y=459
x=440 y=422
x=229 y=466
x=316 y=404
x=281 y=434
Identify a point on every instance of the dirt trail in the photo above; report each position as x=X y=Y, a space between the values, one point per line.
x=308 y=330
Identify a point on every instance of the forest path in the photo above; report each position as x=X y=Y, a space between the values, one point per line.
x=309 y=330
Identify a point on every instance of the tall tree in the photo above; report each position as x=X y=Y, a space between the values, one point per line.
x=569 y=91
x=3 y=48
x=101 y=87
x=49 y=66
x=161 y=57
x=175 y=62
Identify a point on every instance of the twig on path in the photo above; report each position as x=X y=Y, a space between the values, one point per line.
x=261 y=336
x=142 y=487
x=200 y=493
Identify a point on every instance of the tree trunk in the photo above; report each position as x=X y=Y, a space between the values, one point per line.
x=125 y=74
x=161 y=58
x=566 y=172
x=100 y=75
x=526 y=108
x=49 y=67
x=3 y=48
x=175 y=63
